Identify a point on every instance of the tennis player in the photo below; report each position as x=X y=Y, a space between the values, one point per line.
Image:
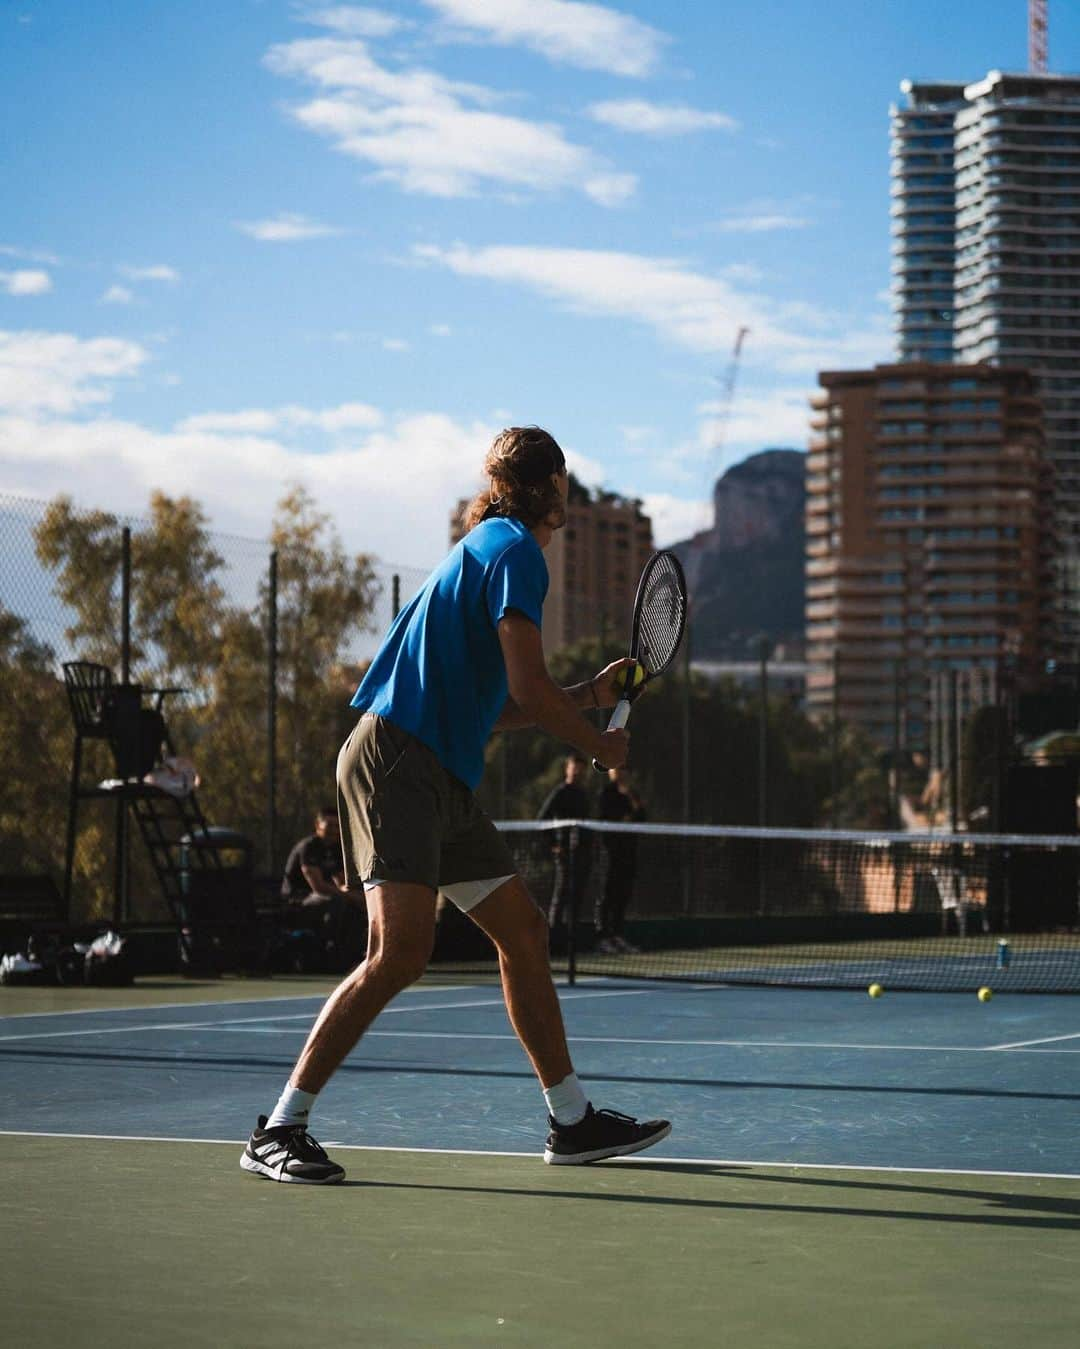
x=462 y=659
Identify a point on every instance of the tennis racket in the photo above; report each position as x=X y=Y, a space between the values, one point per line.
x=655 y=631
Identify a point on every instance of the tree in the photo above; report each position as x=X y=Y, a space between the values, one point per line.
x=201 y=624
x=324 y=599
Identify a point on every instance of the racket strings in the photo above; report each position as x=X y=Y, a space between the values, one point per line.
x=662 y=616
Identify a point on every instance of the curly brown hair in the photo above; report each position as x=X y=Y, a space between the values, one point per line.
x=520 y=465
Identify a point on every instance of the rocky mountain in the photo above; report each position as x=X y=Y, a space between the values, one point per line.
x=746 y=573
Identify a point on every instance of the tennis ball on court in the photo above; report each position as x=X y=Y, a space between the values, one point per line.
x=875 y=990
x=985 y=994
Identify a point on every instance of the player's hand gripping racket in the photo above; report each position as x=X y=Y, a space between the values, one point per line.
x=655 y=632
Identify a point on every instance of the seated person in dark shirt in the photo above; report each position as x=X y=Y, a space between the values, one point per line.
x=314 y=887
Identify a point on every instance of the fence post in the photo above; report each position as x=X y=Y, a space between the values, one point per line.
x=121 y=885
x=686 y=727
x=763 y=731
x=271 y=715
x=834 y=744
x=125 y=606
x=894 y=785
x=395 y=595
x=954 y=750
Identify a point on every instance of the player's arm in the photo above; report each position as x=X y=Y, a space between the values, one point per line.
x=540 y=701
x=603 y=690
x=317 y=879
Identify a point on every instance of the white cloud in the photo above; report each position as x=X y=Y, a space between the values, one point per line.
x=760 y=224
x=118 y=295
x=291 y=417
x=158 y=272
x=757 y=419
x=694 y=310
x=58 y=373
x=29 y=254
x=435 y=136
x=592 y=37
x=675 y=518
x=611 y=189
x=355 y=21
x=285 y=227
x=440 y=330
x=658 y=119
x=394 y=344
x=763 y=217
x=26 y=282
x=389 y=493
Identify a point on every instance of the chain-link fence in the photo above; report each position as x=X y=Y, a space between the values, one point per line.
x=250 y=649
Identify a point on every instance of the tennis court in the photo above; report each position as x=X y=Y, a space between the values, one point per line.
x=842 y=1171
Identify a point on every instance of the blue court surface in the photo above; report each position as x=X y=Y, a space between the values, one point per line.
x=766 y=1076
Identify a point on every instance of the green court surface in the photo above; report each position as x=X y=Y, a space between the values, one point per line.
x=125 y=1242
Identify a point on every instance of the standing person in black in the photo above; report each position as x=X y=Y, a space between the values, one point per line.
x=568 y=801
x=620 y=804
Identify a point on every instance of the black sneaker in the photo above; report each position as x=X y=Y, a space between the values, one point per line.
x=602 y=1133
x=289 y=1153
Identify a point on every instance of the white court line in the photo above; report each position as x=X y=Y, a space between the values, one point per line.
x=297 y=1016
x=219 y=1002
x=638 y=1160
x=650 y=1040
x=1048 y=1040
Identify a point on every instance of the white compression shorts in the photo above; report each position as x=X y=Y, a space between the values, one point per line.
x=465 y=895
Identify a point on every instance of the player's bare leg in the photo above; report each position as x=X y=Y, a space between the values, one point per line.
x=401 y=929
x=520 y=933
x=401 y=933
x=512 y=920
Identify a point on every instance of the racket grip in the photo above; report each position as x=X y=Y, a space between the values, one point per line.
x=619 y=718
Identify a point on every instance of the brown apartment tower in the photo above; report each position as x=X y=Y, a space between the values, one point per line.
x=930 y=542
x=593 y=566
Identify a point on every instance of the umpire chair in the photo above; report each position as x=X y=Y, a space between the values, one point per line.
x=217 y=923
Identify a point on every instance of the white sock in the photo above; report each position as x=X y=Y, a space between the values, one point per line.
x=566 y=1102
x=292 y=1107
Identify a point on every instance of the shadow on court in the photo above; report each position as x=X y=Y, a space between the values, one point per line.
x=258 y=1064
x=1068 y=1208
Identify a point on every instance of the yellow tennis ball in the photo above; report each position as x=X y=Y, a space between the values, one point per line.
x=639 y=674
x=985 y=994
x=875 y=990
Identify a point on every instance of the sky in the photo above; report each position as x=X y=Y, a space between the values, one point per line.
x=251 y=243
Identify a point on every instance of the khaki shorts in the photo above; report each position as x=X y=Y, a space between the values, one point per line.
x=403 y=817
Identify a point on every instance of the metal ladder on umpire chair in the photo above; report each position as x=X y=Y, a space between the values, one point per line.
x=116 y=713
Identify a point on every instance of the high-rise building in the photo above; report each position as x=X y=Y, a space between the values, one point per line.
x=986 y=254
x=593 y=564
x=929 y=537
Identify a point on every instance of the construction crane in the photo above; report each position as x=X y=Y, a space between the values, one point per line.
x=727 y=397
x=1037 y=37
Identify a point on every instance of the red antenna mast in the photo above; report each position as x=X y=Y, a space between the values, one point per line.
x=1037 y=52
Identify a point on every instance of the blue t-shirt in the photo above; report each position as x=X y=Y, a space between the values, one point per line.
x=440 y=673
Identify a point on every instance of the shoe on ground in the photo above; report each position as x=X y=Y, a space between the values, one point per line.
x=626 y=948
x=289 y=1153
x=607 y=947
x=602 y=1133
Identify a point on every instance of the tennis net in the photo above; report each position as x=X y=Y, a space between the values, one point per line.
x=816 y=908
